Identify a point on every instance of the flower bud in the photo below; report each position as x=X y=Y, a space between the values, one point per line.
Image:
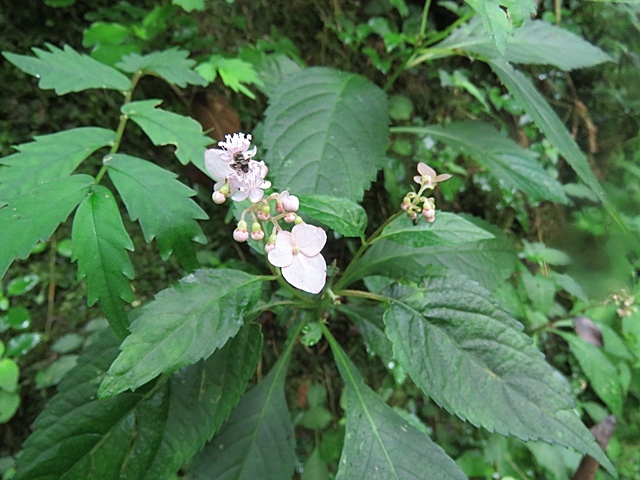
x=291 y=203
x=290 y=217
x=240 y=235
x=259 y=235
x=298 y=220
x=429 y=215
x=268 y=247
x=218 y=197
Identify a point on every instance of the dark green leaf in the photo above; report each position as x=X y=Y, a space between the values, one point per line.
x=326 y=133
x=488 y=262
x=495 y=21
x=602 y=374
x=167 y=128
x=447 y=230
x=54 y=373
x=256 y=442
x=368 y=321
x=474 y=360
x=546 y=119
x=22 y=344
x=509 y=163
x=68 y=71
x=49 y=157
x=184 y=324
x=536 y=42
x=144 y=435
x=172 y=65
x=171 y=221
x=21 y=285
x=33 y=215
x=99 y=245
x=344 y=216
x=379 y=443
x=18 y=318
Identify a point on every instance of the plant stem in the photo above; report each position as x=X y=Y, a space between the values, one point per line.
x=425 y=14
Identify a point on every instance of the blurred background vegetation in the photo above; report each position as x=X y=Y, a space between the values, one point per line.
x=44 y=320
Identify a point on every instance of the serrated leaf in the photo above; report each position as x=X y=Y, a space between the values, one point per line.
x=257 y=440
x=100 y=242
x=68 y=71
x=167 y=128
x=182 y=325
x=234 y=72
x=509 y=163
x=172 y=65
x=144 y=435
x=341 y=215
x=379 y=443
x=50 y=157
x=32 y=216
x=602 y=374
x=495 y=21
x=488 y=262
x=173 y=221
x=326 y=133
x=546 y=119
x=447 y=230
x=536 y=42
x=473 y=359
x=368 y=321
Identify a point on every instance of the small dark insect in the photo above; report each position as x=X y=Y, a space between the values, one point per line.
x=240 y=163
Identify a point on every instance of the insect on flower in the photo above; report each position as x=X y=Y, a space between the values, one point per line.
x=240 y=162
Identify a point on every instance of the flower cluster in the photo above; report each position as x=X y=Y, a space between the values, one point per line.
x=239 y=177
x=415 y=203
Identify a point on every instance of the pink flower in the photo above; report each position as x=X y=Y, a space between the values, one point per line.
x=250 y=184
x=297 y=253
x=428 y=176
x=218 y=160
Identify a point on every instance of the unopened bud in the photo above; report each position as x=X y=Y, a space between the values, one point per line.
x=269 y=246
x=291 y=203
x=259 y=235
x=290 y=217
x=240 y=235
x=218 y=197
x=429 y=215
x=298 y=220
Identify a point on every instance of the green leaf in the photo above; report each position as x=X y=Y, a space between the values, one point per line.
x=173 y=221
x=144 y=435
x=512 y=165
x=341 y=215
x=189 y=5
x=495 y=21
x=22 y=344
x=172 y=65
x=9 y=375
x=368 y=321
x=536 y=42
x=104 y=33
x=257 y=440
x=22 y=285
x=54 y=373
x=602 y=374
x=68 y=71
x=546 y=119
x=326 y=133
x=9 y=403
x=489 y=262
x=32 y=216
x=99 y=245
x=379 y=443
x=447 y=230
x=50 y=157
x=167 y=128
x=184 y=324
x=473 y=360
x=234 y=72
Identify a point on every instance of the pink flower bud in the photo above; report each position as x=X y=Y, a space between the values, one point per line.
x=429 y=215
x=257 y=235
x=290 y=217
x=240 y=235
x=291 y=203
x=269 y=246
x=218 y=197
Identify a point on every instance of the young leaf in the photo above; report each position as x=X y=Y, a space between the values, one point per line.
x=172 y=221
x=234 y=72
x=536 y=42
x=473 y=360
x=79 y=436
x=379 y=442
x=546 y=119
x=447 y=230
x=33 y=215
x=99 y=245
x=512 y=165
x=184 y=324
x=326 y=133
x=602 y=374
x=344 y=216
x=167 y=128
x=488 y=262
x=50 y=157
x=172 y=65
x=68 y=71
x=257 y=440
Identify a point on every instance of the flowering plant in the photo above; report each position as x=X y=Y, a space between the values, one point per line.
x=175 y=384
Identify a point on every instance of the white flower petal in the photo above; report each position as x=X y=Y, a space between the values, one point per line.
x=306 y=273
x=424 y=169
x=309 y=239
x=218 y=169
x=282 y=254
x=255 y=194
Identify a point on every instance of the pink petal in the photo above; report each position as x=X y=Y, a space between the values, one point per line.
x=218 y=169
x=309 y=239
x=255 y=194
x=424 y=169
x=282 y=254
x=443 y=177
x=306 y=273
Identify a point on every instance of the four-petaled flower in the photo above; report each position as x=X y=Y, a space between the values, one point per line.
x=428 y=177
x=297 y=253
